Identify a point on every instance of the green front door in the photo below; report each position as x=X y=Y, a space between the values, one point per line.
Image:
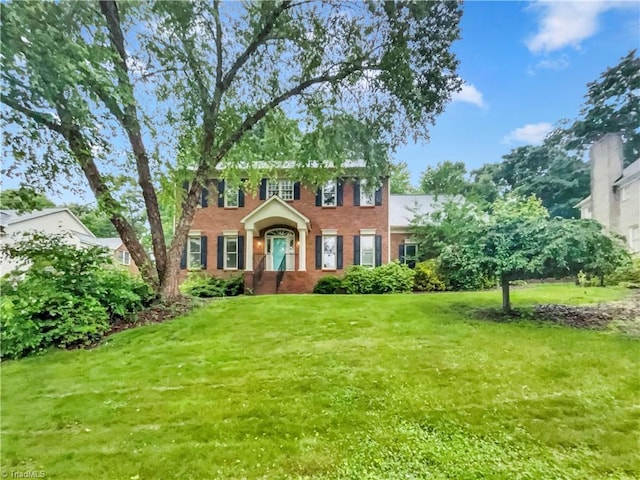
x=279 y=250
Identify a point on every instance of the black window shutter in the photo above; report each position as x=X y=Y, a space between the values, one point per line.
x=183 y=258
x=263 y=189
x=401 y=254
x=340 y=192
x=241 y=252
x=378 y=250
x=318 y=252
x=356 y=249
x=356 y=192
x=221 y=193
x=319 y=197
x=240 y=197
x=296 y=191
x=204 y=197
x=379 y=196
x=339 y=252
x=220 y=263
x=203 y=252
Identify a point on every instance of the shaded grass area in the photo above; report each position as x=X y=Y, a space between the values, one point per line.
x=324 y=387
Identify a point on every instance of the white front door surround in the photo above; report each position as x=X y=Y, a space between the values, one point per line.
x=276 y=211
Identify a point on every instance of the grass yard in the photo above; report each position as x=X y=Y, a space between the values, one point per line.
x=334 y=387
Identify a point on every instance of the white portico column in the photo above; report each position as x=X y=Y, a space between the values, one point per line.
x=302 y=251
x=248 y=247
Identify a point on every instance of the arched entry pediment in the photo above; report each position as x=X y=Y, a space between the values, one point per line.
x=275 y=211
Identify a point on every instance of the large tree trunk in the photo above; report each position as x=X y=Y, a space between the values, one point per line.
x=506 y=301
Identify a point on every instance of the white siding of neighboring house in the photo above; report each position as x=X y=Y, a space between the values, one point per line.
x=53 y=223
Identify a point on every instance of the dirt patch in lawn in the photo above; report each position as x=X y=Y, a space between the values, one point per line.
x=622 y=316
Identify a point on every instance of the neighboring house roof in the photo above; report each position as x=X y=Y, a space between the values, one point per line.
x=629 y=174
x=112 y=243
x=290 y=164
x=583 y=202
x=402 y=208
x=12 y=217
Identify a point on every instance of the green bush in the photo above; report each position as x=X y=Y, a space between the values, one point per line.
x=460 y=271
x=203 y=285
x=389 y=278
x=628 y=274
x=358 y=279
x=427 y=278
x=328 y=285
x=62 y=295
x=392 y=278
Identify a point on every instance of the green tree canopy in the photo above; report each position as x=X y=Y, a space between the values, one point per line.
x=103 y=87
x=612 y=105
x=446 y=178
x=400 y=178
x=23 y=199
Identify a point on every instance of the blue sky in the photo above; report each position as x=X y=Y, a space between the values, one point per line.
x=526 y=66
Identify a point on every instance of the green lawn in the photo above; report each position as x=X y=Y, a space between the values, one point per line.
x=334 y=387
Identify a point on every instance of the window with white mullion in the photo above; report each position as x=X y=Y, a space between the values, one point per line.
x=194 y=259
x=329 y=194
x=231 y=198
x=125 y=258
x=329 y=252
x=282 y=188
x=230 y=253
x=367 y=195
x=368 y=250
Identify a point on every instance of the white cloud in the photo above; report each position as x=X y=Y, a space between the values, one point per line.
x=532 y=133
x=563 y=24
x=469 y=94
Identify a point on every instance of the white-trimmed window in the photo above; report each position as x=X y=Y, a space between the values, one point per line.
x=125 y=257
x=368 y=250
x=194 y=253
x=282 y=188
x=330 y=194
x=367 y=195
x=231 y=253
x=410 y=254
x=231 y=198
x=634 y=238
x=329 y=252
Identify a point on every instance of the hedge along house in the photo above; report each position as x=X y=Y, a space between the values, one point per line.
x=285 y=238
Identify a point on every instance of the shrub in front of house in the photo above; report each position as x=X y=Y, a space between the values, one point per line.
x=358 y=280
x=328 y=285
x=459 y=271
x=392 y=278
x=628 y=275
x=203 y=285
x=63 y=296
x=427 y=278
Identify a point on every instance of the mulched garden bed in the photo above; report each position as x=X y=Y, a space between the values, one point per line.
x=622 y=315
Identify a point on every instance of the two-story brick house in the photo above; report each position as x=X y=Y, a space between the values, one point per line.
x=287 y=236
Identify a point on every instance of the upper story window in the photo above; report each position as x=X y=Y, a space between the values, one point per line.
x=329 y=194
x=125 y=258
x=282 y=188
x=367 y=195
x=231 y=198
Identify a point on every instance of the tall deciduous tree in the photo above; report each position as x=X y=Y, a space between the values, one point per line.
x=446 y=178
x=558 y=179
x=612 y=105
x=400 y=178
x=101 y=88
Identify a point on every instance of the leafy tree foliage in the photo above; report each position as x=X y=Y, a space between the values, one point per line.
x=446 y=178
x=611 y=105
x=400 y=178
x=517 y=240
x=133 y=74
x=559 y=180
x=24 y=199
